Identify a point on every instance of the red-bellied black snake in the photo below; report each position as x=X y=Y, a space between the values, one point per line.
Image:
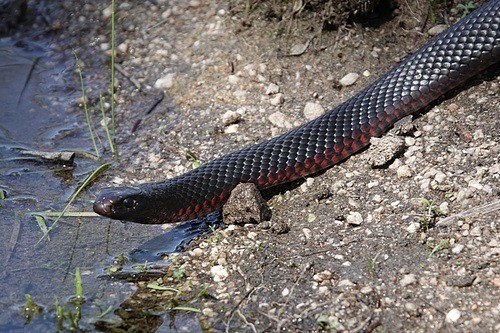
x=463 y=50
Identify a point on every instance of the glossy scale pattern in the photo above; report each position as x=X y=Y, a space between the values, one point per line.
x=460 y=52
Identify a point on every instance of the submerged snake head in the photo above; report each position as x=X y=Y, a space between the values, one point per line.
x=127 y=204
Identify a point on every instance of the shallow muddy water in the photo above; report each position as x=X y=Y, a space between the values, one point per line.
x=38 y=90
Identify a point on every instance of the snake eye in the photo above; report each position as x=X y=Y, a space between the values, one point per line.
x=128 y=203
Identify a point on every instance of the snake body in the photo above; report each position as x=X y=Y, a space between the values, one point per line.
x=463 y=50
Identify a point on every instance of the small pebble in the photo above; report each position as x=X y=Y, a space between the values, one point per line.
x=413 y=227
x=403 y=171
x=437 y=29
x=230 y=117
x=453 y=315
x=278 y=119
x=457 y=248
x=313 y=110
x=219 y=273
x=323 y=290
x=165 y=82
x=349 y=79
x=277 y=99
x=410 y=307
x=407 y=280
x=366 y=290
x=322 y=276
x=196 y=253
x=272 y=89
x=354 y=218
x=345 y=283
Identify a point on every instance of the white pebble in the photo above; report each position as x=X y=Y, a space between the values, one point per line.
x=219 y=273
x=230 y=117
x=453 y=315
x=345 y=283
x=439 y=177
x=231 y=129
x=313 y=110
x=277 y=99
x=278 y=119
x=349 y=79
x=457 y=248
x=354 y=218
x=437 y=29
x=272 y=89
x=409 y=141
x=407 y=280
x=366 y=290
x=323 y=290
x=165 y=82
x=413 y=227
x=403 y=171
x=322 y=276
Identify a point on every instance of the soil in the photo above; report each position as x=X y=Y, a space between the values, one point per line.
x=362 y=251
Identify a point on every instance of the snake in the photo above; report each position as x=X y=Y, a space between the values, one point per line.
x=461 y=51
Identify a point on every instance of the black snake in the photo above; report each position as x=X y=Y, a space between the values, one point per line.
x=463 y=50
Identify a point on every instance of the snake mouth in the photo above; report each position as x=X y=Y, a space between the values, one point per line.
x=103 y=207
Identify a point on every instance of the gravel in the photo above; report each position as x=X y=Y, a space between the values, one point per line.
x=361 y=247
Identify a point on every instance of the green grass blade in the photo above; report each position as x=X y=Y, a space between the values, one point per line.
x=106 y=126
x=186 y=308
x=84 y=101
x=113 y=127
x=78 y=284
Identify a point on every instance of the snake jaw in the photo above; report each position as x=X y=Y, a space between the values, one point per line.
x=117 y=203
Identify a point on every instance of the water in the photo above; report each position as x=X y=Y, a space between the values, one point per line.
x=38 y=90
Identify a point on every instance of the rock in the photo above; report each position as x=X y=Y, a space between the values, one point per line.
x=219 y=273
x=354 y=218
x=384 y=150
x=272 y=89
x=437 y=29
x=313 y=110
x=165 y=82
x=410 y=307
x=349 y=79
x=230 y=117
x=245 y=205
x=403 y=171
x=413 y=227
x=453 y=315
x=278 y=119
x=322 y=276
x=280 y=227
x=277 y=99
x=366 y=290
x=196 y=253
x=407 y=280
x=233 y=128
x=209 y=312
x=345 y=283
x=457 y=248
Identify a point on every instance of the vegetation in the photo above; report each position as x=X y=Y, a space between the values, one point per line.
x=68 y=315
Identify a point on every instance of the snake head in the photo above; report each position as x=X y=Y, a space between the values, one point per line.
x=121 y=203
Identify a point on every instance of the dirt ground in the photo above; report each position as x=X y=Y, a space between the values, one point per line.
x=363 y=252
